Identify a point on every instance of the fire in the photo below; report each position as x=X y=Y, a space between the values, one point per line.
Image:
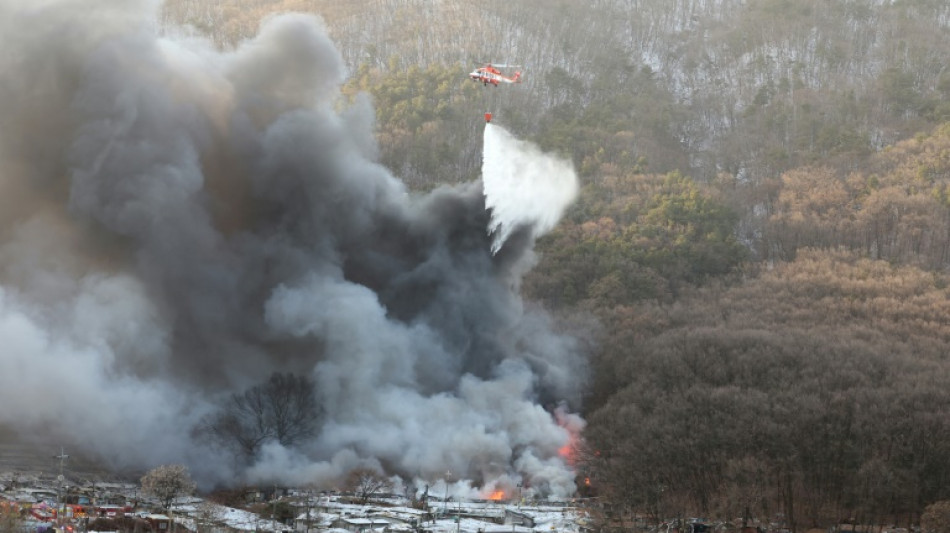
x=498 y=495
x=574 y=425
x=567 y=451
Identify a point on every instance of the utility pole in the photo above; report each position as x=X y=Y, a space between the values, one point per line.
x=273 y=510
x=61 y=507
x=445 y=502
x=307 y=525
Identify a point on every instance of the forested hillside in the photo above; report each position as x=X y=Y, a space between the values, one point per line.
x=763 y=233
x=816 y=389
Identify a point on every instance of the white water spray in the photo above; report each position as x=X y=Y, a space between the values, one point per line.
x=523 y=185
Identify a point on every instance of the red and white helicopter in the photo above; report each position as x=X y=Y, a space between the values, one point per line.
x=490 y=73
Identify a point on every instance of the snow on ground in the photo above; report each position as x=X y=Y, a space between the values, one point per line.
x=395 y=515
x=187 y=514
x=246 y=520
x=476 y=517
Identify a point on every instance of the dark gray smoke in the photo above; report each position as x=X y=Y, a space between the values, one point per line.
x=177 y=223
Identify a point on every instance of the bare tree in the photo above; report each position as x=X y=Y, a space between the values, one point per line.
x=168 y=482
x=365 y=482
x=282 y=409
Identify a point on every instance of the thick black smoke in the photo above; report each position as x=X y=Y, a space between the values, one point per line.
x=177 y=223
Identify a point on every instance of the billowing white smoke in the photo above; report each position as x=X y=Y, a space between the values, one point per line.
x=177 y=223
x=523 y=186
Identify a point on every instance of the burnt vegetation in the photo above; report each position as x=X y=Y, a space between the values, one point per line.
x=764 y=230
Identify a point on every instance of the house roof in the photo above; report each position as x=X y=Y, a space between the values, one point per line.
x=364 y=521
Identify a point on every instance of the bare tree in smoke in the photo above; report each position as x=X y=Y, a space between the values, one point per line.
x=282 y=409
x=366 y=482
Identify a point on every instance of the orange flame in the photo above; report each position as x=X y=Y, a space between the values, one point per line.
x=497 y=495
x=569 y=450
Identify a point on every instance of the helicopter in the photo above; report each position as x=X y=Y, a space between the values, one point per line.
x=491 y=73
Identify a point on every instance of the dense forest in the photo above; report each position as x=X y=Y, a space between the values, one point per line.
x=763 y=234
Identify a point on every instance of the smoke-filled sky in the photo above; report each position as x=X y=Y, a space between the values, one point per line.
x=178 y=222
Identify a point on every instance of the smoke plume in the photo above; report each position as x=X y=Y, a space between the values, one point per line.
x=178 y=222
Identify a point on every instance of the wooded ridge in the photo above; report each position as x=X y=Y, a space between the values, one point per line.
x=763 y=232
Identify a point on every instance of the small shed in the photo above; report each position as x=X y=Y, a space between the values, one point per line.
x=160 y=523
x=359 y=525
x=517 y=518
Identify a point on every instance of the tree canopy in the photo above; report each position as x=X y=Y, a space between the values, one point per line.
x=168 y=482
